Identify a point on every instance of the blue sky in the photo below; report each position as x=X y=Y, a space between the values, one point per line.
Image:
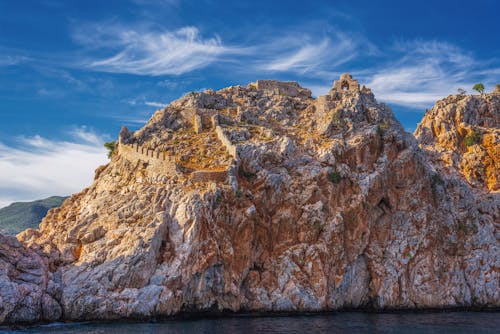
x=73 y=72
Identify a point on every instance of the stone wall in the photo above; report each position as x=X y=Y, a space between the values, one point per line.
x=231 y=148
x=158 y=161
x=164 y=164
x=289 y=88
x=346 y=83
x=198 y=126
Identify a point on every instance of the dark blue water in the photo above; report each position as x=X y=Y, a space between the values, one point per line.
x=348 y=322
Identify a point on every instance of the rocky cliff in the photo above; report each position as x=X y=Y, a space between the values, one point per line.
x=262 y=198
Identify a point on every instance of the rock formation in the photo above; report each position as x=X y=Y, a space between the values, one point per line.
x=461 y=135
x=262 y=198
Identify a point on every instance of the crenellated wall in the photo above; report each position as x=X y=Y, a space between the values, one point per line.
x=161 y=163
x=158 y=161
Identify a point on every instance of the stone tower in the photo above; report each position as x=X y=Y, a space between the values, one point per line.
x=346 y=83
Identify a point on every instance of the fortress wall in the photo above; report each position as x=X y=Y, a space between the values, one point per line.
x=289 y=88
x=322 y=103
x=346 y=82
x=198 y=126
x=231 y=148
x=158 y=161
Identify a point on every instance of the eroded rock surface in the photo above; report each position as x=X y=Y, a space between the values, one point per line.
x=272 y=200
x=25 y=295
x=461 y=134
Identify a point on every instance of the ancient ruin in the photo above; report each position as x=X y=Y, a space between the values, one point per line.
x=260 y=198
x=346 y=83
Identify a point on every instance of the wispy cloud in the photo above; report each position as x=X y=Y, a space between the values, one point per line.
x=146 y=52
x=146 y=103
x=302 y=54
x=422 y=72
x=9 y=60
x=155 y=104
x=41 y=167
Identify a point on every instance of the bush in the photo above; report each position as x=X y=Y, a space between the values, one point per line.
x=479 y=87
x=473 y=138
x=334 y=177
x=110 y=145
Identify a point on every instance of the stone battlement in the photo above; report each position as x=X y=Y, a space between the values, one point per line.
x=289 y=88
x=158 y=161
x=164 y=164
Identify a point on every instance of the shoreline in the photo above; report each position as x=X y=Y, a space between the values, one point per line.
x=209 y=315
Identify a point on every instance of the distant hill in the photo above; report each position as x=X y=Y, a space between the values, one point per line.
x=22 y=215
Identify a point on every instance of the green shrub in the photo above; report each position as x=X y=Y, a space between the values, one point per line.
x=473 y=138
x=334 y=177
x=479 y=87
x=110 y=145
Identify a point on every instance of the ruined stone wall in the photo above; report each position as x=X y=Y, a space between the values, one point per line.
x=158 y=161
x=346 y=83
x=198 y=126
x=290 y=88
x=231 y=148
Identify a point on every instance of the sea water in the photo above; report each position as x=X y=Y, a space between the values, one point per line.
x=342 y=322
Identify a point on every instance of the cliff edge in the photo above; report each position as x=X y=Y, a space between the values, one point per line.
x=262 y=198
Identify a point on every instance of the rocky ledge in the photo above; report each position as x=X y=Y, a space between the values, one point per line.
x=262 y=198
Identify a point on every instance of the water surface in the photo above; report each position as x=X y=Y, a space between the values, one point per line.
x=343 y=322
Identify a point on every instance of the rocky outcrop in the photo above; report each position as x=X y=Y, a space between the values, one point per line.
x=461 y=134
x=327 y=203
x=25 y=292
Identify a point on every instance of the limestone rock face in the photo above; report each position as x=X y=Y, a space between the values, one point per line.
x=24 y=289
x=262 y=198
x=462 y=135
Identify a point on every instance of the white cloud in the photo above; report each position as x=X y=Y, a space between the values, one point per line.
x=302 y=59
x=155 y=104
x=140 y=102
x=412 y=73
x=41 y=167
x=422 y=72
x=147 y=52
x=8 y=60
x=302 y=54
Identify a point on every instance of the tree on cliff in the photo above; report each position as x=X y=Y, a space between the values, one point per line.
x=110 y=145
x=479 y=87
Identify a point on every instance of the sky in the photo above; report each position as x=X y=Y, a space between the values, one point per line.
x=73 y=72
